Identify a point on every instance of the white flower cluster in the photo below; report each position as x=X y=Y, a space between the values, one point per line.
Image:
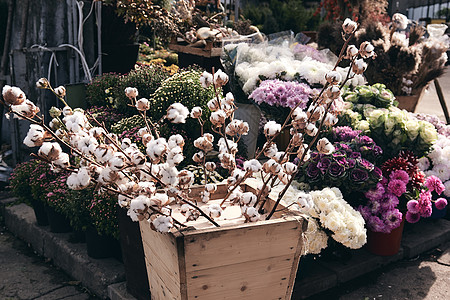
x=271 y=61
x=437 y=162
x=335 y=214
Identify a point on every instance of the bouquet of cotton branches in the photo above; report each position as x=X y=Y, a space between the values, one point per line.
x=150 y=185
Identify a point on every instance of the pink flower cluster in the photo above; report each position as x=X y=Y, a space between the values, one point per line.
x=423 y=206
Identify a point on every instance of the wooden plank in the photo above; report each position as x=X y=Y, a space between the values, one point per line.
x=161 y=257
x=196 y=51
x=257 y=279
x=238 y=245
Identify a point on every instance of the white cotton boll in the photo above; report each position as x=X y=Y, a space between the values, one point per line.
x=107 y=176
x=271 y=167
x=218 y=118
x=62 y=161
x=67 y=111
x=251 y=214
x=117 y=162
x=83 y=177
x=50 y=151
x=271 y=150
x=126 y=143
x=13 y=95
x=220 y=78
x=333 y=77
x=271 y=128
x=283 y=177
x=137 y=207
x=162 y=223
x=210 y=166
x=169 y=175
x=142 y=104
x=143 y=131
x=198 y=157
x=205 y=196
x=159 y=200
x=175 y=140
x=96 y=132
x=324 y=146
x=299 y=114
x=349 y=26
x=311 y=129
x=359 y=66
x=252 y=166
x=76 y=122
x=137 y=158
x=213 y=105
x=156 y=149
x=35 y=136
x=229 y=98
x=211 y=188
x=280 y=157
x=215 y=211
x=87 y=145
x=177 y=113
x=131 y=92
x=175 y=156
x=146 y=187
x=352 y=51
x=122 y=201
x=248 y=199
x=289 y=168
x=206 y=79
x=196 y=112
x=103 y=153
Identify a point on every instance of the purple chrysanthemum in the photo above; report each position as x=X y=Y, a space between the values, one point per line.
x=397 y=187
x=399 y=175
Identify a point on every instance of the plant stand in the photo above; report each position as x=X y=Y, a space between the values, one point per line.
x=246 y=261
x=207 y=58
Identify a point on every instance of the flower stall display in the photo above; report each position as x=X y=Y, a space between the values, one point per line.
x=260 y=61
x=187 y=224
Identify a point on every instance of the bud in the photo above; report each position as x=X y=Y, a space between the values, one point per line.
x=54 y=112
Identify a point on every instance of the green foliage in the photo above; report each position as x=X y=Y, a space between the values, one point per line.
x=272 y=16
x=103 y=213
x=19 y=180
x=101 y=91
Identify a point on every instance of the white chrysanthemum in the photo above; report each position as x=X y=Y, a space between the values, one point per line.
x=177 y=113
x=162 y=223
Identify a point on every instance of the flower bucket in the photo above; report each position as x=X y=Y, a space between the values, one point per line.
x=245 y=261
x=99 y=246
x=385 y=244
x=39 y=212
x=409 y=103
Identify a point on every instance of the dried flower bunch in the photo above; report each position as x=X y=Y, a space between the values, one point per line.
x=148 y=183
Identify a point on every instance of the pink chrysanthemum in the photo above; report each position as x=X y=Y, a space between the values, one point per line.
x=433 y=183
x=413 y=206
x=426 y=210
x=397 y=187
x=412 y=218
x=440 y=203
x=375 y=194
x=399 y=175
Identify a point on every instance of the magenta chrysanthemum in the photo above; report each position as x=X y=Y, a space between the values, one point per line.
x=413 y=206
x=433 y=183
x=412 y=218
x=375 y=194
x=397 y=187
x=440 y=203
x=399 y=175
x=393 y=218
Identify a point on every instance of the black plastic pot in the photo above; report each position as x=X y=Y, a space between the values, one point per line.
x=39 y=212
x=133 y=256
x=99 y=246
x=58 y=222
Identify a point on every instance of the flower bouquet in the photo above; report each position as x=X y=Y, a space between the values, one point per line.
x=163 y=199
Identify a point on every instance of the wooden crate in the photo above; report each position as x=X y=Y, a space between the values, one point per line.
x=247 y=261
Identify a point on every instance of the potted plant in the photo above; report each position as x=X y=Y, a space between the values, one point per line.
x=184 y=226
x=20 y=186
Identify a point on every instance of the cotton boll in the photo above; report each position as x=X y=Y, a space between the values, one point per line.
x=156 y=149
x=131 y=92
x=87 y=145
x=28 y=109
x=196 y=112
x=117 y=162
x=185 y=179
x=177 y=113
x=96 y=132
x=217 y=118
x=79 y=180
x=271 y=128
x=211 y=188
x=169 y=175
x=60 y=91
x=289 y=168
x=311 y=129
x=138 y=206
x=206 y=79
x=270 y=150
x=220 y=78
x=271 y=167
x=198 y=157
x=62 y=161
x=190 y=213
x=159 y=200
x=280 y=157
x=349 y=26
x=126 y=143
x=175 y=156
x=162 y=223
x=251 y=214
x=248 y=199
x=252 y=166
x=324 y=146
x=50 y=151
x=107 y=176
x=175 y=140
x=103 y=153
x=35 y=136
x=142 y=104
x=13 y=95
x=333 y=77
x=229 y=146
x=214 y=210
x=210 y=166
x=213 y=105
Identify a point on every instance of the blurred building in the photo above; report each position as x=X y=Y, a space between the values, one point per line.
x=421 y=9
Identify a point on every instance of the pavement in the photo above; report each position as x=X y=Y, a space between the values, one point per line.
x=37 y=264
